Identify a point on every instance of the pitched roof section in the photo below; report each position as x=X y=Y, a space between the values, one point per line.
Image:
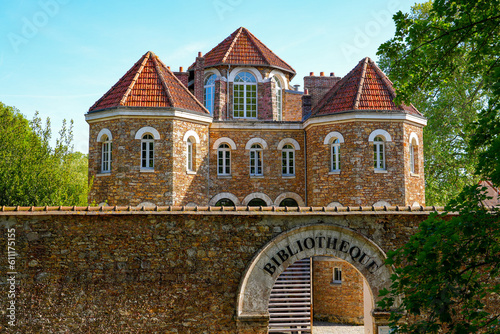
x=366 y=87
x=149 y=83
x=243 y=48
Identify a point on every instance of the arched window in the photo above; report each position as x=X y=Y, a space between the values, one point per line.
x=379 y=153
x=414 y=153
x=256 y=160
x=290 y=202
x=335 y=155
x=257 y=202
x=288 y=160
x=279 y=99
x=189 y=155
x=209 y=93
x=245 y=95
x=223 y=160
x=107 y=147
x=224 y=202
x=147 y=152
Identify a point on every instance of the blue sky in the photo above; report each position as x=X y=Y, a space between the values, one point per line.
x=59 y=56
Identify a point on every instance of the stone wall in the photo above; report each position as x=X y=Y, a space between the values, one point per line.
x=271 y=183
x=337 y=302
x=158 y=271
x=357 y=183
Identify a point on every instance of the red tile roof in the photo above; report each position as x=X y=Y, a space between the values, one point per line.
x=492 y=192
x=149 y=83
x=243 y=48
x=366 y=87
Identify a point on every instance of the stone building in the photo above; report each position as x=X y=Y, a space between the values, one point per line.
x=233 y=131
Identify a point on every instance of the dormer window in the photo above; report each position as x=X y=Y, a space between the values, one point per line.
x=209 y=93
x=245 y=96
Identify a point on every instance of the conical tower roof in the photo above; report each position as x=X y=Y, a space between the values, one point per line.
x=243 y=48
x=149 y=83
x=366 y=87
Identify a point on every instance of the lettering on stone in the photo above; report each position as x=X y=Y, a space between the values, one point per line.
x=356 y=254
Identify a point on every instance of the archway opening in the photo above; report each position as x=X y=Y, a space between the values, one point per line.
x=308 y=241
x=320 y=294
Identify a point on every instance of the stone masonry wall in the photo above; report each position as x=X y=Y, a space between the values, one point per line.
x=190 y=187
x=414 y=182
x=272 y=183
x=127 y=184
x=337 y=302
x=357 y=183
x=147 y=272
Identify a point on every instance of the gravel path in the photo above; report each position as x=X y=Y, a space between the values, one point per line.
x=329 y=328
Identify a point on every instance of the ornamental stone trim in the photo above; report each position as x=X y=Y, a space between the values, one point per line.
x=104 y=132
x=290 y=141
x=252 y=141
x=380 y=132
x=334 y=134
x=224 y=140
x=147 y=129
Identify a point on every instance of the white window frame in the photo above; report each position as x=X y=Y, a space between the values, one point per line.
x=147 y=152
x=189 y=155
x=279 y=99
x=106 y=156
x=209 y=92
x=256 y=160
x=379 y=153
x=288 y=160
x=337 y=275
x=245 y=86
x=335 y=155
x=224 y=156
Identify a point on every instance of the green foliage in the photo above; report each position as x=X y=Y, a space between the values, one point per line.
x=450 y=100
x=448 y=272
x=31 y=172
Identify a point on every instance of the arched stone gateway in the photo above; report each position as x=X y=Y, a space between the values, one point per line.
x=296 y=244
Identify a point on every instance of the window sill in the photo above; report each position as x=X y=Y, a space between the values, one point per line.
x=336 y=283
x=256 y=176
x=147 y=170
x=380 y=171
x=414 y=174
x=190 y=172
x=103 y=174
x=334 y=172
x=288 y=176
x=224 y=176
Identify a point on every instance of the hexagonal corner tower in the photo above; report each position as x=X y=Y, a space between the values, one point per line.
x=148 y=140
x=362 y=148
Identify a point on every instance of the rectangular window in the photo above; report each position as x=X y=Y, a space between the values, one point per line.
x=337 y=275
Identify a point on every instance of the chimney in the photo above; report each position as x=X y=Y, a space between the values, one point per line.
x=199 y=71
x=322 y=74
x=181 y=69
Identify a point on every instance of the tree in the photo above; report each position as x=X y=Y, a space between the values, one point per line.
x=31 y=172
x=448 y=273
x=450 y=108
